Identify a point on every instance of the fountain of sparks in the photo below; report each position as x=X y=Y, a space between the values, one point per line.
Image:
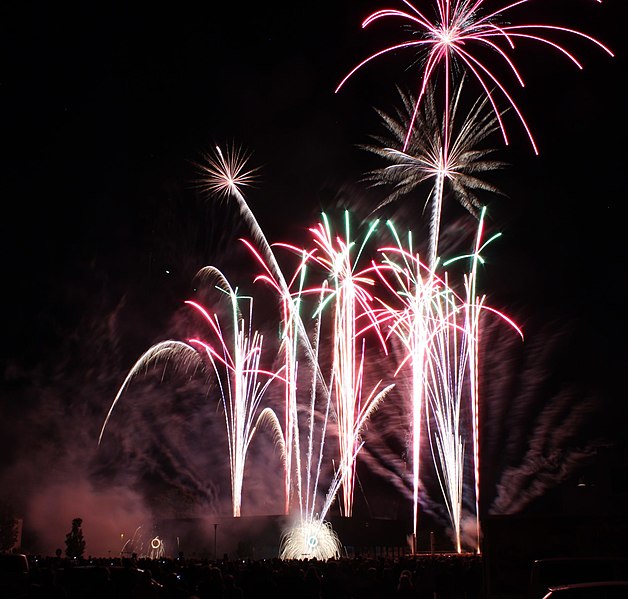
x=157 y=548
x=352 y=318
x=144 y=544
x=310 y=539
x=237 y=371
x=438 y=330
x=351 y=410
x=236 y=365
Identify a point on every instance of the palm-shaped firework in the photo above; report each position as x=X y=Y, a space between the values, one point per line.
x=445 y=155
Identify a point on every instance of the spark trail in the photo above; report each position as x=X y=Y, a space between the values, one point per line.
x=438 y=330
x=224 y=174
x=412 y=287
x=352 y=316
x=237 y=368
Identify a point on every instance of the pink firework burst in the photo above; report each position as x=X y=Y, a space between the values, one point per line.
x=458 y=33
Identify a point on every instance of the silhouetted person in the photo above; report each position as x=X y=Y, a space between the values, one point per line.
x=313 y=585
x=210 y=584
x=231 y=589
x=405 y=586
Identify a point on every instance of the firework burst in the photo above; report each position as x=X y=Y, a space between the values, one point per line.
x=225 y=173
x=433 y=153
x=457 y=35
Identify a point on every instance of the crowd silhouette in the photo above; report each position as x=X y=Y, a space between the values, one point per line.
x=434 y=576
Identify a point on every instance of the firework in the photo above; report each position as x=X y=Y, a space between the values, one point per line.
x=353 y=316
x=236 y=365
x=224 y=175
x=413 y=286
x=438 y=330
x=457 y=34
x=310 y=539
x=177 y=353
x=237 y=369
x=435 y=321
x=157 y=548
x=309 y=534
x=291 y=325
x=433 y=153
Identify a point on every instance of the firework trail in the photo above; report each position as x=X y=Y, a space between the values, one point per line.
x=456 y=159
x=178 y=353
x=457 y=35
x=223 y=175
x=473 y=307
x=352 y=309
x=290 y=328
x=438 y=331
x=427 y=324
x=444 y=389
x=413 y=285
x=237 y=371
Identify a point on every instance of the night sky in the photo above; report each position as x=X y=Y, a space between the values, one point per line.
x=107 y=110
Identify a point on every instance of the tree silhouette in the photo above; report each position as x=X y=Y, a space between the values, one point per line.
x=74 y=541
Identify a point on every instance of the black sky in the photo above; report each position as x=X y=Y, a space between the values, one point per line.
x=105 y=110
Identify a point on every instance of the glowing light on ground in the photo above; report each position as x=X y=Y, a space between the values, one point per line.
x=310 y=539
x=157 y=548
